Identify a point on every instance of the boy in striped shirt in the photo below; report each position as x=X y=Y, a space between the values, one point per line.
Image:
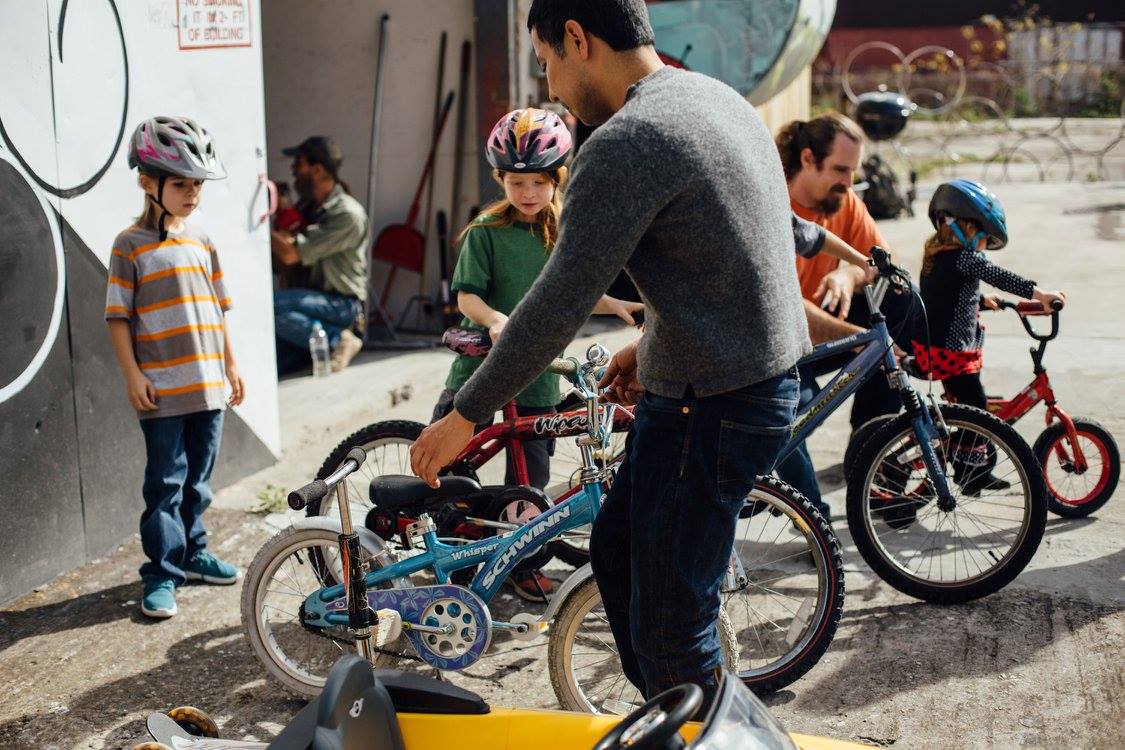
x=165 y=308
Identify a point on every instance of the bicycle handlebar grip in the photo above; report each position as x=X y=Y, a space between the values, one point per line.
x=568 y=368
x=302 y=496
x=1030 y=307
x=881 y=257
x=357 y=454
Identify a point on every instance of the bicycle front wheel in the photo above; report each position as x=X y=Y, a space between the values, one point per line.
x=974 y=548
x=1072 y=493
x=781 y=602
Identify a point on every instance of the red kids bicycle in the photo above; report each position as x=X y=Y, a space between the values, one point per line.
x=1081 y=463
x=466 y=511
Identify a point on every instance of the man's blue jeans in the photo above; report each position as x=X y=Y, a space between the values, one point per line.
x=180 y=453
x=797 y=468
x=662 y=540
x=294 y=311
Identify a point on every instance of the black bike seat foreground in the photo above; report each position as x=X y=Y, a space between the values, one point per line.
x=357 y=710
x=415 y=694
x=393 y=491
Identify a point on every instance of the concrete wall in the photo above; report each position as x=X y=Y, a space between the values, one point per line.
x=79 y=77
x=792 y=103
x=319 y=60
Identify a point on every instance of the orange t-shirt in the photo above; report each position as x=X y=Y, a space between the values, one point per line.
x=852 y=223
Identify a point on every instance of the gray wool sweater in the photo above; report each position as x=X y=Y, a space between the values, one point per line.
x=683 y=188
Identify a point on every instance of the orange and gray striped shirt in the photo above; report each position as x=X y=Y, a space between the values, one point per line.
x=173 y=295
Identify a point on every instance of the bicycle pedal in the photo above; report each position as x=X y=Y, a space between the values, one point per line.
x=388 y=627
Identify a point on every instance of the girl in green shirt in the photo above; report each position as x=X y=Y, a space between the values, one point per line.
x=502 y=252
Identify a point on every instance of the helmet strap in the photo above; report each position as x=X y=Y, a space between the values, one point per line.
x=969 y=243
x=159 y=201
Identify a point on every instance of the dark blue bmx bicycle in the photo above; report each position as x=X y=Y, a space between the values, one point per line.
x=945 y=502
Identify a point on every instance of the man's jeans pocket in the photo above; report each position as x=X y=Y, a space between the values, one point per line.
x=746 y=452
x=755 y=427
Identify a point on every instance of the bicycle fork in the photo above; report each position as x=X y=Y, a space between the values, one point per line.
x=929 y=431
x=355 y=584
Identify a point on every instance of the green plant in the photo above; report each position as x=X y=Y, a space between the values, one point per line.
x=271 y=499
x=1023 y=104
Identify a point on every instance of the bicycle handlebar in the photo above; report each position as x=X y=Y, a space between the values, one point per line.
x=318 y=489
x=1027 y=309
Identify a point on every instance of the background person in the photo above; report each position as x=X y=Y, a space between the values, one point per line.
x=333 y=246
x=820 y=158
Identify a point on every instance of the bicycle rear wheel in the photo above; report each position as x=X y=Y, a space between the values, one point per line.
x=780 y=608
x=948 y=556
x=387 y=445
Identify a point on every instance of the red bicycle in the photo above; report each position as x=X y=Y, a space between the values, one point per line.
x=464 y=510
x=1080 y=459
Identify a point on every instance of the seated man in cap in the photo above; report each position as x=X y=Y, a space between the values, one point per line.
x=332 y=247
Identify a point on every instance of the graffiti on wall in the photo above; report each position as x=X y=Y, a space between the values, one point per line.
x=57 y=55
x=32 y=269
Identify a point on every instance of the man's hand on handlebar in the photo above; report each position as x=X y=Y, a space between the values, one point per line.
x=620 y=379
x=835 y=291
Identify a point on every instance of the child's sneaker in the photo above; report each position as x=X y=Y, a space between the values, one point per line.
x=210 y=569
x=159 y=599
x=531 y=585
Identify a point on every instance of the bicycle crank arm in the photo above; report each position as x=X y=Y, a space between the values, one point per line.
x=447 y=630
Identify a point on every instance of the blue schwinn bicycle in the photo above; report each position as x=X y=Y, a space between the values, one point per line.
x=322 y=586
x=945 y=502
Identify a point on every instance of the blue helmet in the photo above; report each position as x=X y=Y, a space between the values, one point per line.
x=965 y=199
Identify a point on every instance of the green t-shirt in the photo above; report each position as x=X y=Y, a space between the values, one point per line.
x=499 y=265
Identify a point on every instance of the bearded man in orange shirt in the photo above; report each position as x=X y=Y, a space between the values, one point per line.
x=820 y=158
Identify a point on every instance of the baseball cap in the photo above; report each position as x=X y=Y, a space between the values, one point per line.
x=318 y=149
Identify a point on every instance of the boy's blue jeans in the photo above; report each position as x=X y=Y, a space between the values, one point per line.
x=663 y=538
x=181 y=453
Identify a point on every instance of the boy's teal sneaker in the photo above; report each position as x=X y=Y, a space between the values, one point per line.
x=159 y=600
x=210 y=569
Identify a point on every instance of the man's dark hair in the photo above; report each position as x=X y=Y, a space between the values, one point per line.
x=622 y=24
x=818 y=135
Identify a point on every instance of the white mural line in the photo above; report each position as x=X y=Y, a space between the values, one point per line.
x=20 y=382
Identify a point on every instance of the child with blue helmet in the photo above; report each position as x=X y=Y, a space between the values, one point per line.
x=968 y=219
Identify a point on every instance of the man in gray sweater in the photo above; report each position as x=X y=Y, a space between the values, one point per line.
x=682 y=186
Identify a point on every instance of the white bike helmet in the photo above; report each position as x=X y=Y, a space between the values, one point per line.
x=175 y=146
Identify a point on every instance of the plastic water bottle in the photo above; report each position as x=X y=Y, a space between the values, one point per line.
x=318 y=350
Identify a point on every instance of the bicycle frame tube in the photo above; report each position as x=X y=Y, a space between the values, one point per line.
x=499 y=555
x=876 y=352
x=515 y=429
x=1026 y=400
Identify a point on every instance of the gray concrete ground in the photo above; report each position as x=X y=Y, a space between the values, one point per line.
x=1037 y=665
